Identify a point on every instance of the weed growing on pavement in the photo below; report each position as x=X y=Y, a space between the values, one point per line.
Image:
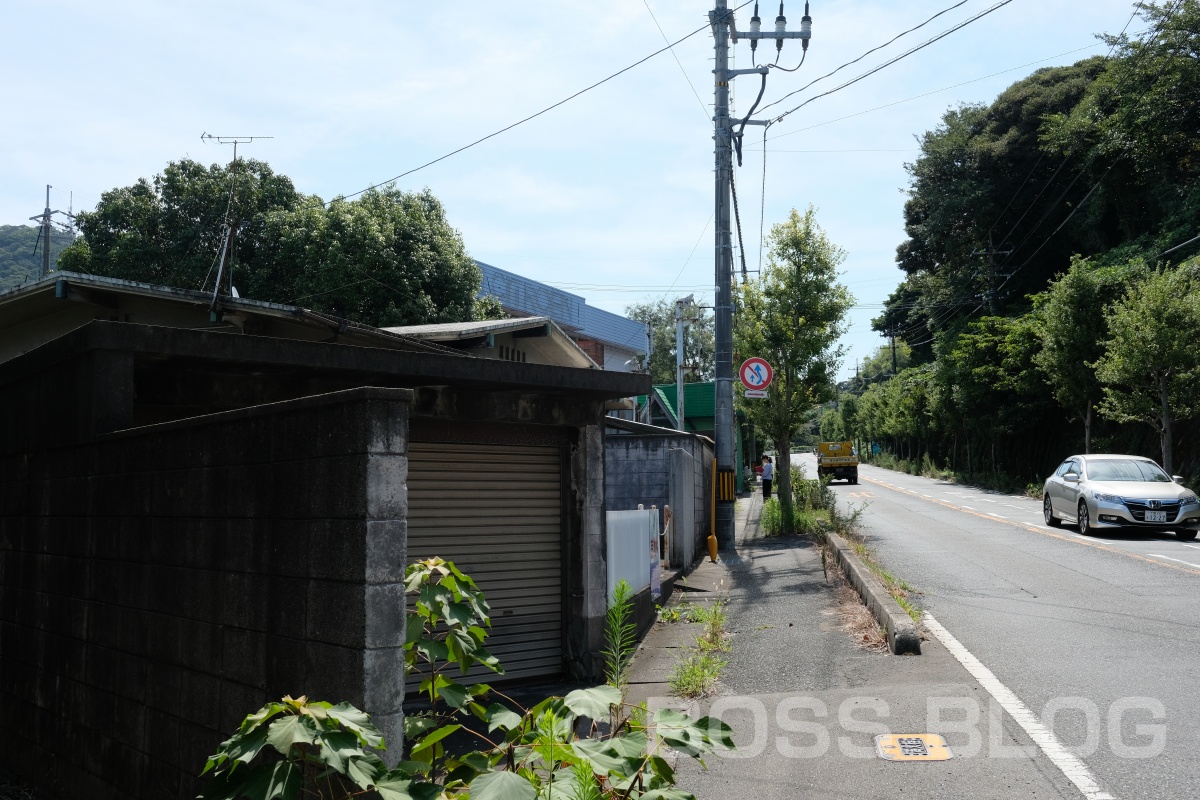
x=898 y=588
x=620 y=635
x=713 y=638
x=670 y=613
x=696 y=675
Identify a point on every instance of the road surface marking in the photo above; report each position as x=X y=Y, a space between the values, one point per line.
x=982 y=499
x=994 y=514
x=1196 y=546
x=1010 y=505
x=1178 y=561
x=1075 y=538
x=1072 y=767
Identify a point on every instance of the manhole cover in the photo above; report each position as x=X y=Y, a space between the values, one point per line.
x=912 y=747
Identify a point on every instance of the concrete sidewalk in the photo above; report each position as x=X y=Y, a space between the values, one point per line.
x=806 y=702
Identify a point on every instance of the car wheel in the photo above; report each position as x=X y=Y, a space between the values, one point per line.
x=1185 y=535
x=1048 y=513
x=1085 y=519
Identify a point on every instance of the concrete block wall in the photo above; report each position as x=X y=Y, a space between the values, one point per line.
x=159 y=584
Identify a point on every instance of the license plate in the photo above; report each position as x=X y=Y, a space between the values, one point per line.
x=1156 y=516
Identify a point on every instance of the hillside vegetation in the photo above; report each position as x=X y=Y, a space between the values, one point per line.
x=1051 y=294
x=18 y=262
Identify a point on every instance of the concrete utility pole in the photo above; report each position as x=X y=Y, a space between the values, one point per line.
x=991 y=254
x=682 y=321
x=46 y=218
x=723 y=26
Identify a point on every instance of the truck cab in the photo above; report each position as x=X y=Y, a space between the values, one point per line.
x=837 y=461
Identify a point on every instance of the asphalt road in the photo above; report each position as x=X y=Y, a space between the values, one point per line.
x=1105 y=629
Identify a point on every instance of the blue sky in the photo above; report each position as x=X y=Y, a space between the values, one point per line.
x=608 y=196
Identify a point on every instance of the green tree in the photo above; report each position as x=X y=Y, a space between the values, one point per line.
x=1070 y=319
x=386 y=258
x=792 y=316
x=1151 y=365
x=698 y=344
x=19 y=262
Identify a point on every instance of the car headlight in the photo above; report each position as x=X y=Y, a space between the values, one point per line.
x=1107 y=498
x=1188 y=499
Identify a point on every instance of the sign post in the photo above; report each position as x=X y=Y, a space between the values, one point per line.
x=756 y=375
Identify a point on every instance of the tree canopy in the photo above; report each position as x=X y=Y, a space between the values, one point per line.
x=388 y=257
x=793 y=316
x=698 y=342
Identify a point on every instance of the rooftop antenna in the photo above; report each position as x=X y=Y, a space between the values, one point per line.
x=229 y=228
x=46 y=218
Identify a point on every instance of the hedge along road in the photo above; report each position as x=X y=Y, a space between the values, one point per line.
x=1102 y=632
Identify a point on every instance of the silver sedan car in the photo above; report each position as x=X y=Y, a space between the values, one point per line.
x=1112 y=491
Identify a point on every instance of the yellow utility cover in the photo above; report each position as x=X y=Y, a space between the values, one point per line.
x=912 y=747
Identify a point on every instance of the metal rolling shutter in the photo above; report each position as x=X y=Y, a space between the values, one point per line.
x=496 y=512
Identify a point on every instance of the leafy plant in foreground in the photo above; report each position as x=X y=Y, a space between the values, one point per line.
x=329 y=751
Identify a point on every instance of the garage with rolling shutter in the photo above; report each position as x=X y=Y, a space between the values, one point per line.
x=496 y=511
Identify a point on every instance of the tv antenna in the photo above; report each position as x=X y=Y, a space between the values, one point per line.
x=46 y=218
x=229 y=228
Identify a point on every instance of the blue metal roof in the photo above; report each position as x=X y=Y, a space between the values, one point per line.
x=531 y=297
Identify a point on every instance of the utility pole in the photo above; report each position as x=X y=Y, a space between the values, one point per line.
x=892 y=333
x=682 y=321
x=723 y=27
x=46 y=218
x=991 y=254
x=229 y=232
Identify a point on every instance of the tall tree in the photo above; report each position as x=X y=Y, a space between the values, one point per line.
x=1070 y=319
x=792 y=316
x=387 y=258
x=1151 y=365
x=698 y=343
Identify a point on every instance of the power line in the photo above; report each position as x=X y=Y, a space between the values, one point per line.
x=933 y=92
x=864 y=55
x=537 y=114
x=892 y=61
x=703 y=107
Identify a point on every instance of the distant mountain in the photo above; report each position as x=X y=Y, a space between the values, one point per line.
x=18 y=263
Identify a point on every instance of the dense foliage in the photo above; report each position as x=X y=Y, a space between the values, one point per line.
x=1049 y=301
x=19 y=262
x=699 y=341
x=386 y=258
x=465 y=741
x=792 y=315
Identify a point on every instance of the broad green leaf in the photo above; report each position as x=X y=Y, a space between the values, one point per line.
x=357 y=722
x=290 y=730
x=717 y=731
x=502 y=786
x=261 y=716
x=434 y=738
x=414 y=628
x=595 y=703
x=242 y=746
x=396 y=785
x=462 y=614
x=434 y=650
x=497 y=716
x=415 y=725
x=660 y=767
x=667 y=794
x=455 y=695
x=605 y=760
x=278 y=781
x=343 y=752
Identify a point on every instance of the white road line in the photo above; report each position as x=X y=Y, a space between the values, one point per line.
x=994 y=514
x=1196 y=546
x=969 y=507
x=1072 y=767
x=1010 y=505
x=1176 y=560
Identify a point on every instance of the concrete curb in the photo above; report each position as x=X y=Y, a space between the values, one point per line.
x=901 y=633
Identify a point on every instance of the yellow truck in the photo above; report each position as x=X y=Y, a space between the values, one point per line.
x=837 y=460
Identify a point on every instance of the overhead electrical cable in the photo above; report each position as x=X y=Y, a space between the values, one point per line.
x=537 y=114
x=864 y=55
x=703 y=107
x=890 y=61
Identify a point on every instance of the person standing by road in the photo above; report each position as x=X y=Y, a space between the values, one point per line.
x=768 y=475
